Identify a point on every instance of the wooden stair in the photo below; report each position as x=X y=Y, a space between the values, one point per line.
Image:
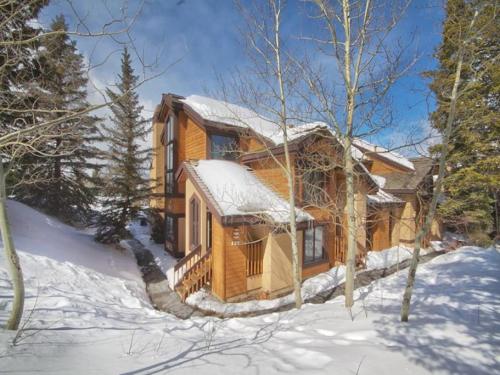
x=195 y=277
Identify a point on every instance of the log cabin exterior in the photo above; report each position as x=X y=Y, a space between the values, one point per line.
x=224 y=199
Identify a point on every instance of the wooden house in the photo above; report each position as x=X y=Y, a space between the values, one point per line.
x=224 y=198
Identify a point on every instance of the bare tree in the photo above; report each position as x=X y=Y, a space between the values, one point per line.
x=357 y=33
x=443 y=154
x=269 y=89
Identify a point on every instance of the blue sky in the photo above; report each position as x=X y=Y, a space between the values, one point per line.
x=205 y=36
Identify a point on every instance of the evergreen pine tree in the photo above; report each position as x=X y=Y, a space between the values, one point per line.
x=127 y=186
x=18 y=62
x=473 y=182
x=59 y=178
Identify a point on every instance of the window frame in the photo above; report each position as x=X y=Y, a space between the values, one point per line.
x=194 y=222
x=170 y=144
x=232 y=135
x=316 y=260
x=209 y=238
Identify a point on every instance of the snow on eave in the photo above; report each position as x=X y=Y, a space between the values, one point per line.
x=382 y=152
x=383 y=197
x=234 y=115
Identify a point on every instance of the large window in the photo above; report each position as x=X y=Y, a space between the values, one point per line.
x=223 y=147
x=194 y=213
x=313 y=187
x=169 y=156
x=314 y=249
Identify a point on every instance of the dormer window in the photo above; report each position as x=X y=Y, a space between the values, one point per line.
x=223 y=147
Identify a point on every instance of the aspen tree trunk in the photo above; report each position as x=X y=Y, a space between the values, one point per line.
x=348 y=162
x=422 y=233
x=351 y=221
x=296 y=274
x=12 y=259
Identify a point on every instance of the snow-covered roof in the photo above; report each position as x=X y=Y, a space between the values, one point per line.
x=383 y=197
x=232 y=114
x=220 y=111
x=390 y=155
x=237 y=191
x=380 y=180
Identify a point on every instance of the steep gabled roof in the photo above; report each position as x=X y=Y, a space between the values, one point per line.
x=234 y=192
x=409 y=181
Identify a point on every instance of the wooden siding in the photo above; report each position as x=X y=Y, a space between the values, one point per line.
x=309 y=271
x=381 y=167
x=379 y=225
x=251 y=144
x=271 y=174
x=195 y=141
x=235 y=254
x=218 y=260
x=181 y=131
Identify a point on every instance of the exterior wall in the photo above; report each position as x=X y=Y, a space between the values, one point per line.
x=381 y=237
x=218 y=261
x=228 y=263
x=407 y=223
x=195 y=141
x=397 y=212
x=271 y=174
x=251 y=144
x=235 y=259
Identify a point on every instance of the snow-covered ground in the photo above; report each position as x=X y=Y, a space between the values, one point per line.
x=89 y=319
x=311 y=287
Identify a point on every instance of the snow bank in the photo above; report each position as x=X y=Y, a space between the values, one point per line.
x=388 y=257
x=40 y=234
x=70 y=279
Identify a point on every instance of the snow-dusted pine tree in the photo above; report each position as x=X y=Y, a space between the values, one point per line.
x=62 y=169
x=127 y=185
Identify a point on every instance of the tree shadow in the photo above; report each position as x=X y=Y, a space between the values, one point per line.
x=455 y=317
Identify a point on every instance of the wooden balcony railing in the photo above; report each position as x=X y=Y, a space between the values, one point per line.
x=196 y=277
x=339 y=249
x=185 y=264
x=255 y=257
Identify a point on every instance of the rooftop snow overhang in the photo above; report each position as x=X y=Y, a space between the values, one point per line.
x=389 y=157
x=383 y=198
x=216 y=206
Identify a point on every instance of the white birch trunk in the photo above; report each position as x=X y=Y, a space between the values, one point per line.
x=289 y=170
x=12 y=259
